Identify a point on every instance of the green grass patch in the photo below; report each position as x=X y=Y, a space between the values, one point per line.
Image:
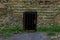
x=52 y=28
x=7 y=31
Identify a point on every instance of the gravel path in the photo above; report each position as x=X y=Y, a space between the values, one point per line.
x=29 y=36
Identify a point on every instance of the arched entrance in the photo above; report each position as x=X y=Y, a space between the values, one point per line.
x=30 y=20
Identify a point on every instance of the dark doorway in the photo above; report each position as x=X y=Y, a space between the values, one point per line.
x=30 y=20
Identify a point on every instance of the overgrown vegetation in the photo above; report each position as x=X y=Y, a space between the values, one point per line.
x=50 y=30
x=8 y=31
x=53 y=28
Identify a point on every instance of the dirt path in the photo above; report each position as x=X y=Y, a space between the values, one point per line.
x=29 y=36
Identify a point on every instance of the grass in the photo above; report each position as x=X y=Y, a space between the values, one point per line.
x=8 y=31
x=52 y=28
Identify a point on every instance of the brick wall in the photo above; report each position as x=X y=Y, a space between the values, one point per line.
x=46 y=11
